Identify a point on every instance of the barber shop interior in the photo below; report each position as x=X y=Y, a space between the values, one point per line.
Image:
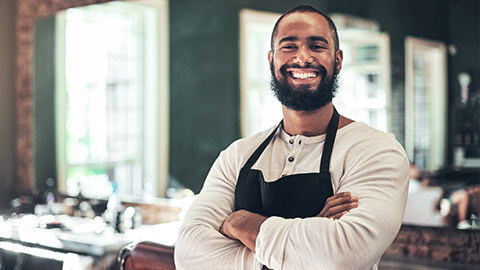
x=113 y=114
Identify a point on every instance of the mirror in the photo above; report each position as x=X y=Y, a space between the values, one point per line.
x=425 y=102
x=204 y=74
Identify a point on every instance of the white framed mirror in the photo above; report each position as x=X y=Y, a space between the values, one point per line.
x=425 y=102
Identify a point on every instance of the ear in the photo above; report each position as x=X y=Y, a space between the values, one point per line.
x=338 y=59
x=270 y=57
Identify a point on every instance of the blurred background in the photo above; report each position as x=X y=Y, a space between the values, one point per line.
x=134 y=100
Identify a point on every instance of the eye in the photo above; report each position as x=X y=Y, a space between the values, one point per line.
x=317 y=47
x=288 y=47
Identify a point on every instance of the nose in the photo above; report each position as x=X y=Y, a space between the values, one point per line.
x=303 y=56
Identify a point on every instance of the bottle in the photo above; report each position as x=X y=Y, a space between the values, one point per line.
x=49 y=196
x=474 y=219
x=112 y=214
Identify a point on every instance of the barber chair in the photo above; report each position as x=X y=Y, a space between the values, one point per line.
x=146 y=255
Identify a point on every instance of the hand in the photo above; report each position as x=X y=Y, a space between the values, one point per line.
x=244 y=226
x=338 y=205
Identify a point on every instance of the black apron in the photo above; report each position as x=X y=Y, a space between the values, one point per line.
x=297 y=195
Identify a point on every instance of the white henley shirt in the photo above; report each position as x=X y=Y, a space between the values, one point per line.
x=365 y=162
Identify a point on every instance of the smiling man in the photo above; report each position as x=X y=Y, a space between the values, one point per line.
x=307 y=61
x=316 y=191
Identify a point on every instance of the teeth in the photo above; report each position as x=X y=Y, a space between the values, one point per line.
x=297 y=75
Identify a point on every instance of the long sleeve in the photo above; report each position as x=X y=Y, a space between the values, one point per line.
x=378 y=174
x=365 y=162
x=200 y=244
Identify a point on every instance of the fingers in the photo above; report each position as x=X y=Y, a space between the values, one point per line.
x=339 y=215
x=340 y=209
x=338 y=205
x=337 y=199
x=343 y=198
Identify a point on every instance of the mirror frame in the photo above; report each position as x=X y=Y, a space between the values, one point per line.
x=26 y=13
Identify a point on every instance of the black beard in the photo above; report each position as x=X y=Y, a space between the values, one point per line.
x=303 y=98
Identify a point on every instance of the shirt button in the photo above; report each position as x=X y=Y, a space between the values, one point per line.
x=291 y=159
x=300 y=142
x=291 y=141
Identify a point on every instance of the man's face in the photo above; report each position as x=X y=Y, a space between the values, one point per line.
x=304 y=63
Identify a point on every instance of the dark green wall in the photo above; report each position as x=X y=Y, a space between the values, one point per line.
x=7 y=102
x=204 y=61
x=44 y=102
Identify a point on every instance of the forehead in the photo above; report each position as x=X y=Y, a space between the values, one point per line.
x=302 y=25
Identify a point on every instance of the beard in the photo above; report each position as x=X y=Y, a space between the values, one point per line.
x=304 y=98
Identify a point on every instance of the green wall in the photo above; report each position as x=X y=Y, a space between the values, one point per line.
x=7 y=101
x=44 y=102
x=204 y=62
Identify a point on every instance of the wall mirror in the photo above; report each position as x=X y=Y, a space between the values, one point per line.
x=426 y=102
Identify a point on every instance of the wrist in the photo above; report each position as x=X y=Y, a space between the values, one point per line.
x=248 y=229
x=237 y=224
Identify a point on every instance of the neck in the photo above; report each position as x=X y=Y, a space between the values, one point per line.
x=305 y=123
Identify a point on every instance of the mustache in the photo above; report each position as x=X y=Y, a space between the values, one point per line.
x=321 y=69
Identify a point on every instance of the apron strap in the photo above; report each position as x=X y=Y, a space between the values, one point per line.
x=329 y=140
x=253 y=158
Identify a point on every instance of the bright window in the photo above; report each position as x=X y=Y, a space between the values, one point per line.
x=108 y=92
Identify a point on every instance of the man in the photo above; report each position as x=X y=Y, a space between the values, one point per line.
x=318 y=191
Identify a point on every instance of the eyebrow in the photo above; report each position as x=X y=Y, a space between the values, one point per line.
x=318 y=38
x=289 y=38
x=312 y=38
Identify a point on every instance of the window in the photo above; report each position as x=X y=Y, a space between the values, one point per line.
x=111 y=100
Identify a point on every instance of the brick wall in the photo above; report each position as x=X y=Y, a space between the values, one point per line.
x=437 y=244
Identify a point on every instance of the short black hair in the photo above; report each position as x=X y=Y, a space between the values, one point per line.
x=306 y=8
